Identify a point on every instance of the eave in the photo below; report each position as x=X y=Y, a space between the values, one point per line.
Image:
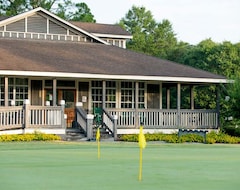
x=112 y=77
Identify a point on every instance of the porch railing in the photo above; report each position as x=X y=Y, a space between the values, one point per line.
x=11 y=117
x=15 y=117
x=173 y=119
x=81 y=118
x=45 y=116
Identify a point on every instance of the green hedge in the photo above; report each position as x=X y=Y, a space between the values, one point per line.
x=29 y=137
x=211 y=138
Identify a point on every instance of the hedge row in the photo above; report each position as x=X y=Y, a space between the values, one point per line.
x=211 y=138
x=29 y=137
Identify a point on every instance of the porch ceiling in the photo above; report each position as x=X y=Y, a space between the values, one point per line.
x=91 y=59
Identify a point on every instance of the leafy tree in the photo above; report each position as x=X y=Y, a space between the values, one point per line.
x=14 y=7
x=75 y=12
x=149 y=36
x=66 y=9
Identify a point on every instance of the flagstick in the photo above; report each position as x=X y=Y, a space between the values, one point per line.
x=98 y=149
x=140 y=165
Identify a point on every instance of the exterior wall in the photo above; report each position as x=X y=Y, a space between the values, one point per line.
x=41 y=26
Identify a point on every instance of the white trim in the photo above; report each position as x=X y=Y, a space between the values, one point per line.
x=113 y=36
x=112 y=77
x=31 y=12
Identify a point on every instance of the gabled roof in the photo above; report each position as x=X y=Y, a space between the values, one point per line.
x=39 y=9
x=92 y=60
x=103 y=29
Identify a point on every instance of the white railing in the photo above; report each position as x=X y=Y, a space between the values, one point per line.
x=45 y=116
x=11 y=117
x=42 y=36
x=174 y=119
x=15 y=117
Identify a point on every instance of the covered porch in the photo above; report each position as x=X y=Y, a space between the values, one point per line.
x=125 y=105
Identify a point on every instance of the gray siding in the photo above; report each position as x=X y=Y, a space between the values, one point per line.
x=37 y=23
x=56 y=29
x=17 y=26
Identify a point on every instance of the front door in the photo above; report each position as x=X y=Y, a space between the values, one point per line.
x=153 y=96
x=69 y=95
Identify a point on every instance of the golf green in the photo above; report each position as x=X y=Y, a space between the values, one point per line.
x=75 y=165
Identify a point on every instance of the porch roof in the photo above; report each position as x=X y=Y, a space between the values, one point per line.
x=91 y=60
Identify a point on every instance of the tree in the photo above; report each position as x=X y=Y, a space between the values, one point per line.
x=66 y=9
x=149 y=36
x=75 y=12
x=14 y=7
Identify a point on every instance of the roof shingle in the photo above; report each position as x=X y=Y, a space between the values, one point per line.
x=90 y=58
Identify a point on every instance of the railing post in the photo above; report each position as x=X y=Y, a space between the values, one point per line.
x=26 y=113
x=89 y=126
x=115 y=117
x=63 y=117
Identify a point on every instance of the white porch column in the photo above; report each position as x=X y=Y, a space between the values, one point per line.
x=218 y=104
x=168 y=97
x=103 y=94
x=6 y=91
x=178 y=104
x=54 y=92
x=160 y=95
x=136 y=104
x=178 y=96
x=192 y=97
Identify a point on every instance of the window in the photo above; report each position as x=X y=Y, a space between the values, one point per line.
x=110 y=94
x=127 y=94
x=18 y=90
x=1 y=91
x=141 y=99
x=97 y=94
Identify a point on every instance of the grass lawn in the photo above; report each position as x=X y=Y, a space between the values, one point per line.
x=74 y=165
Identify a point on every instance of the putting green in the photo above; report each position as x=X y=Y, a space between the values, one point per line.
x=74 y=165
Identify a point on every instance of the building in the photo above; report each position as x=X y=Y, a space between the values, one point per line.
x=45 y=60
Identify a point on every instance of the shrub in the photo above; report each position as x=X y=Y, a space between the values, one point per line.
x=211 y=138
x=233 y=130
x=36 y=136
x=191 y=138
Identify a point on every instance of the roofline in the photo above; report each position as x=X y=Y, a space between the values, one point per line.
x=112 y=77
x=14 y=18
x=112 y=35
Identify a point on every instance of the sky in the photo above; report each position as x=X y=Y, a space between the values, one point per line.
x=192 y=20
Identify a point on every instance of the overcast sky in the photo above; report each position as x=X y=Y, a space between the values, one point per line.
x=192 y=20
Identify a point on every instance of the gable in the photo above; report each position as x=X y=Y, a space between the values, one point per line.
x=40 y=24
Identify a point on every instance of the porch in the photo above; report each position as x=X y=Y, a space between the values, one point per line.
x=51 y=119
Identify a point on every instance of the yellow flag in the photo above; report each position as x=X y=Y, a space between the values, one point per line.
x=141 y=138
x=98 y=134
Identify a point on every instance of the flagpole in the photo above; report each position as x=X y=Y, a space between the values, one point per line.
x=98 y=142
x=140 y=165
x=142 y=145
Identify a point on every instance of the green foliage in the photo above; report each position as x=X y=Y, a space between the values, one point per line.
x=191 y=138
x=66 y=9
x=149 y=37
x=29 y=137
x=232 y=129
x=211 y=138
